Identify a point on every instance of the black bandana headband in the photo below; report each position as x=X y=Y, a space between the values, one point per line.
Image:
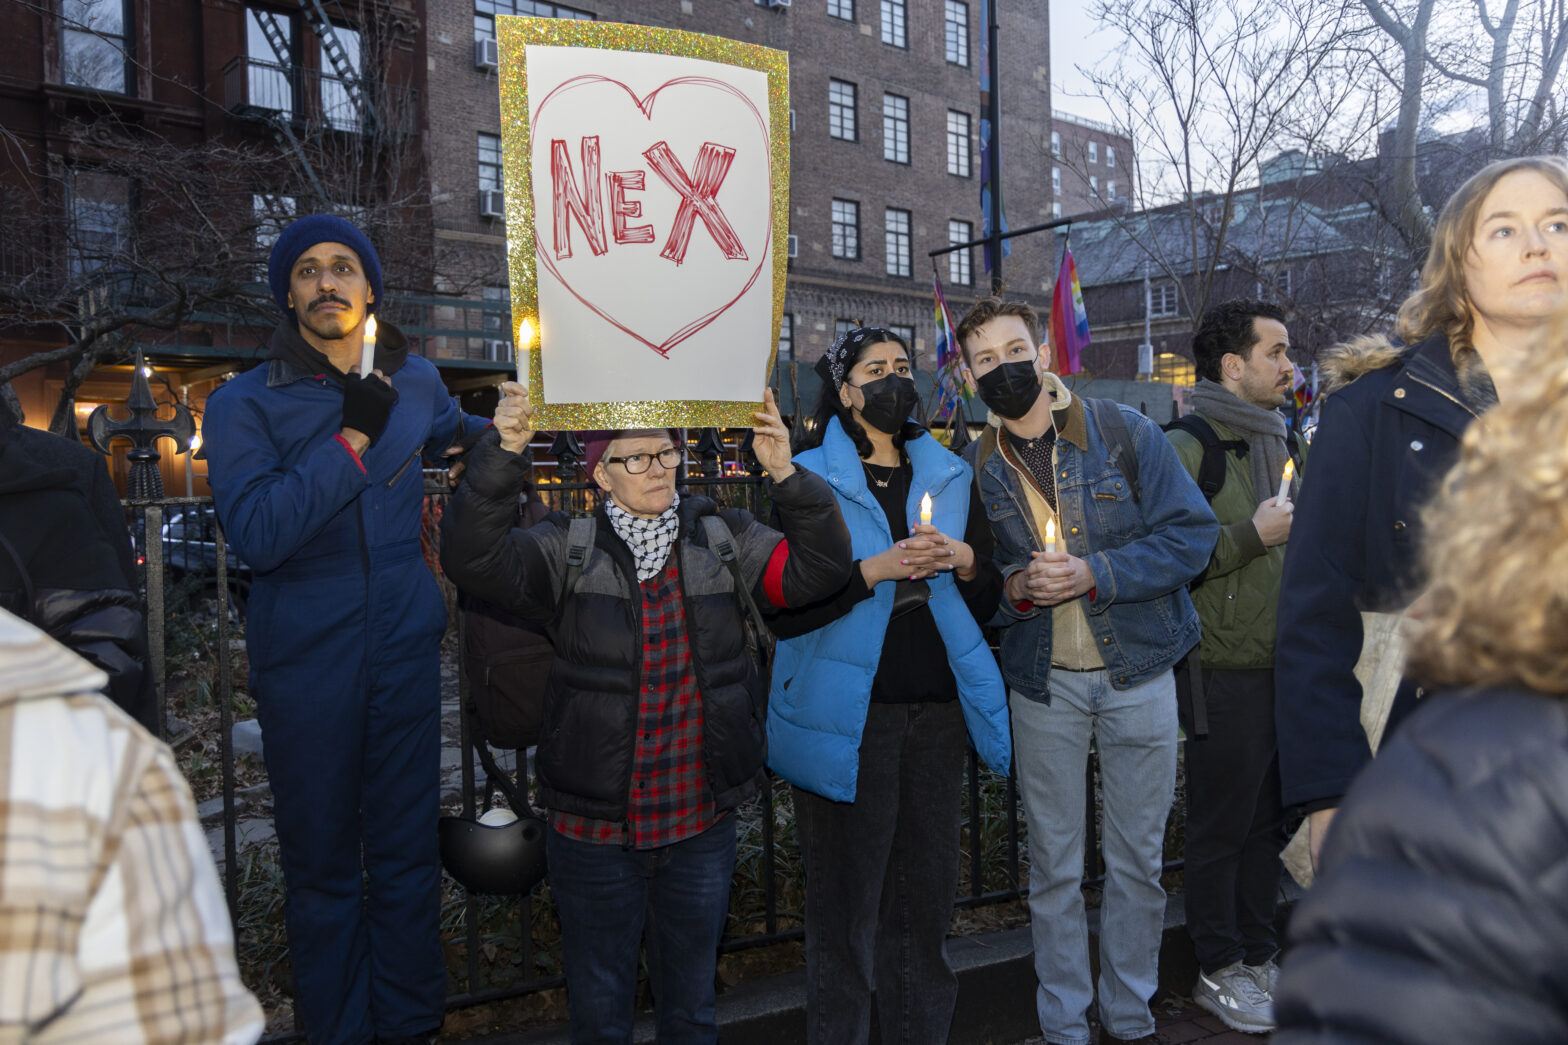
x=835 y=361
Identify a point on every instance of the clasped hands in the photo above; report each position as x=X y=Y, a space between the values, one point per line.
x=925 y=553
x=1049 y=579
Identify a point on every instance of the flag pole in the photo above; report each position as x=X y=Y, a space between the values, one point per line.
x=994 y=159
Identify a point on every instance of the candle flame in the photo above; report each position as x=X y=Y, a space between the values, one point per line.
x=525 y=333
x=925 y=508
x=1050 y=531
x=1290 y=470
x=370 y=328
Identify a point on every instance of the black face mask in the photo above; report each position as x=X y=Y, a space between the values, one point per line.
x=1010 y=389
x=889 y=402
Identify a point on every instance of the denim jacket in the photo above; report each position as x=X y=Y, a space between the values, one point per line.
x=1142 y=554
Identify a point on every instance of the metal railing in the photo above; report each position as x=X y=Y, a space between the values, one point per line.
x=186 y=556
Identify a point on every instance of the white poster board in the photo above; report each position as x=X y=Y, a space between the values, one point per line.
x=647 y=209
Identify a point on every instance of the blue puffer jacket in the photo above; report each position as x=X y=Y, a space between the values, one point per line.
x=822 y=681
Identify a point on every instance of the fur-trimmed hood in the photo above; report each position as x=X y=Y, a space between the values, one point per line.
x=1359 y=356
x=1351 y=359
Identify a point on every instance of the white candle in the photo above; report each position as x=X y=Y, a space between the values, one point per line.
x=525 y=337
x=1050 y=536
x=1284 y=484
x=925 y=510
x=367 y=353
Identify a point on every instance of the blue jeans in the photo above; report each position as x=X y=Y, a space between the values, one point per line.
x=881 y=877
x=1134 y=731
x=605 y=896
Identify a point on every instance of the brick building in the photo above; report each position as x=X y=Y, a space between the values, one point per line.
x=1092 y=165
x=885 y=99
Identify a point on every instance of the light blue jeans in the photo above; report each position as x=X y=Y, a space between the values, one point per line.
x=1135 y=733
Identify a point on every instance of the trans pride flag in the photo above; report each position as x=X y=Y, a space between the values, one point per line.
x=1069 y=321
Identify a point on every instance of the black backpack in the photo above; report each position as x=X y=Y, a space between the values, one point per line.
x=1211 y=472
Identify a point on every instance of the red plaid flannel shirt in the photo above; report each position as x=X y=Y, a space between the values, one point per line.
x=670 y=799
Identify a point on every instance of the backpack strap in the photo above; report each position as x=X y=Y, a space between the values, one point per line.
x=722 y=541
x=1211 y=472
x=1113 y=427
x=579 y=540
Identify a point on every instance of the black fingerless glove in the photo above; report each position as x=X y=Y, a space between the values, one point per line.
x=367 y=403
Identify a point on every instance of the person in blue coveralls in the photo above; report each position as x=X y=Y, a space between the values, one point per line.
x=315 y=472
x=874 y=691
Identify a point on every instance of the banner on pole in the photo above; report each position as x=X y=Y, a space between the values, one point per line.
x=647 y=209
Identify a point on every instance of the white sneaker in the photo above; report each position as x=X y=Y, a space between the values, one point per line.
x=1265 y=976
x=1235 y=997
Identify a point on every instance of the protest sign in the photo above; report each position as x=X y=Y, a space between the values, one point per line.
x=647 y=209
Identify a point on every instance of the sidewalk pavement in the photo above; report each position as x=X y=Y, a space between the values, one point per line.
x=1178 y=1021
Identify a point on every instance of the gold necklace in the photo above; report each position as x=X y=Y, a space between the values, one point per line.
x=881 y=483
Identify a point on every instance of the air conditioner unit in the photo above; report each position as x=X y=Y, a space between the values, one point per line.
x=498 y=351
x=492 y=203
x=778 y=3
x=487 y=53
x=794 y=245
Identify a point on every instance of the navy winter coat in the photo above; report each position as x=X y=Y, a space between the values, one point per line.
x=1440 y=912
x=1383 y=444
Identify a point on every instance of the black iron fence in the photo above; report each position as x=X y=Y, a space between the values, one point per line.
x=501 y=948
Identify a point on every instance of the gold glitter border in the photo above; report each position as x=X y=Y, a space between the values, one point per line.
x=514 y=34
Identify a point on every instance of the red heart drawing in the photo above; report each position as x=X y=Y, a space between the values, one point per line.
x=718 y=298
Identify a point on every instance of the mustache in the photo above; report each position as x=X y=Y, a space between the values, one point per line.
x=327 y=299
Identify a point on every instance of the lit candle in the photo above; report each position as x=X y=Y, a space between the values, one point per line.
x=1050 y=536
x=1284 y=484
x=925 y=510
x=525 y=337
x=367 y=354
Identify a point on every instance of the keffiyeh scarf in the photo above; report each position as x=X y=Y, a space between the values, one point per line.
x=650 y=540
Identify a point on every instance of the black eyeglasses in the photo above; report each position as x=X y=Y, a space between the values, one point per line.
x=636 y=464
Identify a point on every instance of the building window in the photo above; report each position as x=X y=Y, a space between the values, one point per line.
x=841 y=110
x=1056 y=210
x=337 y=105
x=846 y=230
x=1056 y=144
x=959 y=150
x=1173 y=369
x=100 y=221
x=1110 y=155
x=1163 y=299
x=1275 y=285
x=269 y=78
x=273 y=214
x=95 y=47
x=895 y=23
x=787 y=337
x=497 y=326
x=895 y=128
x=486 y=10
x=1094 y=185
x=1056 y=179
x=905 y=334
x=842 y=327
x=960 y=268
x=1094 y=152
x=956 y=33
x=1110 y=190
x=900 y=256
x=844 y=9
x=489 y=161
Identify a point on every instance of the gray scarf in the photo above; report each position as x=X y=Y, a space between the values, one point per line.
x=1262 y=430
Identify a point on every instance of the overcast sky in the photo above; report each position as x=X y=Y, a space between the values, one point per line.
x=1075 y=42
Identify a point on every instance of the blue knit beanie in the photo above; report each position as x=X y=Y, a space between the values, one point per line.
x=306 y=233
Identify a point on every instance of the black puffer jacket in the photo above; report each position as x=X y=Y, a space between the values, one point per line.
x=587 y=751
x=1440 y=913
x=66 y=562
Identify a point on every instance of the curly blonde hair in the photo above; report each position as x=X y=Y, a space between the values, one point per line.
x=1441 y=303
x=1495 y=608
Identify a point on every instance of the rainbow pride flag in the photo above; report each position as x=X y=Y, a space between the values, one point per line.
x=1069 y=322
